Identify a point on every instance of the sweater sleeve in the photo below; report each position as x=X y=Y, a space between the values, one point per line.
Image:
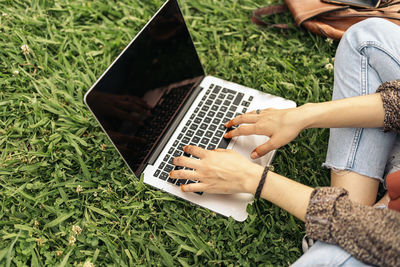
x=390 y=93
x=371 y=235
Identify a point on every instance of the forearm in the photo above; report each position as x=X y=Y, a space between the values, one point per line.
x=287 y=194
x=363 y=111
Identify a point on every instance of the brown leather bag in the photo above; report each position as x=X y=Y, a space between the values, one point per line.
x=329 y=20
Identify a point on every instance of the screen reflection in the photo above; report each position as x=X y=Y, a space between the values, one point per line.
x=138 y=97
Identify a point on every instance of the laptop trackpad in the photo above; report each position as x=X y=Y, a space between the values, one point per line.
x=246 y=144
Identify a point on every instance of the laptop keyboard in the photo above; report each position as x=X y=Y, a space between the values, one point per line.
x=205 y=128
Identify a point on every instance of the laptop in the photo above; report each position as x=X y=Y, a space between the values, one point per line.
x=155 y=98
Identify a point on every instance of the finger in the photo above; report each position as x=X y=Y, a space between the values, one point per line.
x=195 y=151
x=186 y=162
x=197 y=187
x=264 y=149
x=185 y=174
x=242 y=130
x=244 y=118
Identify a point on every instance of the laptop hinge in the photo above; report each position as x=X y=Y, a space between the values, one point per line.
x=174 y=125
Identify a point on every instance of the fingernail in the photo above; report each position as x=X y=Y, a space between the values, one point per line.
x=182 y=188
x=170 y=173
x=254 y=155
x=227 y=135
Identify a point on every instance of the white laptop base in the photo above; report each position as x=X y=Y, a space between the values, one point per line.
x=233 y=205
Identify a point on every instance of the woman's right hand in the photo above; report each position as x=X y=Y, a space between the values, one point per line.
x=280 y=125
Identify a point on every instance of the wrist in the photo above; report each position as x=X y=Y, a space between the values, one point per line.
x=253 y=178
x=307 y=115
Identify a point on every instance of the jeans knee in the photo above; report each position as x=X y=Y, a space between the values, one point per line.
x=368 y=30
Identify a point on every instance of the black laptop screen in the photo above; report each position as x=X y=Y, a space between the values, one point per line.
x=138 y=97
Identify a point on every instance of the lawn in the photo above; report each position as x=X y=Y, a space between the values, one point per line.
x=67 y=198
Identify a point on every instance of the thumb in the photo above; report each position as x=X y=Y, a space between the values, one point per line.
x=264 y=149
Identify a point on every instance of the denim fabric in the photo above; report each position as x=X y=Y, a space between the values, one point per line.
x=367 y=56
x=324 y=254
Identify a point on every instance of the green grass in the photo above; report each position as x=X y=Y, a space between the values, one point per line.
x=50 y=145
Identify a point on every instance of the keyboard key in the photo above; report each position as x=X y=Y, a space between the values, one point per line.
x=223 y=109
x=230 y=97
x=220 y=115
x=202 y=114
x=213 y=127
x=196 y=110
x=164 y=176
x=184 y=129
x=176 y=143
x=208 y=91
x=166 y=158
x=224 y=143
x=197 y=120
x=181 y=146
x=222 y=127
x=172 y=181
x=162 y=164
x=188 y=123
x=226 y=119
x=229 y=114
x=180 y=136
x=181 y=181
x=231 y=91
x=207 y=120
x=216 y=89
x=200 y=133
x=192 y=116
x=251 y=98
x=193 y=127
x=203 y=126
x=233 y=108
x=215 y=140
x=244 y=110
x=177 y=153
x=195 y=139
x=168 y=168
x=208 y=134
x=171 y=150
x=245 y=103
x=205 y=141
x=190 y=133
x=219 y=133
x=238 y=98
x=211 y=86
x=214 y=108
x=211 y=114
x=205 y=108
x=157 y=173
x=227 y=103
x=225 y=90
x=211 y=147
x=218 y=102
x=185 y=140
x=221 y=96
x=202 y=146
x=216 y=121
x=213 y=96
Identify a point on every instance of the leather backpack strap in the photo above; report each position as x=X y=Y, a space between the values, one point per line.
x=266 y=11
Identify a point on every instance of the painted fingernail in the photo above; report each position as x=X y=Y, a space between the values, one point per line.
x=228 y=135
x=182 y=188
x=254 y=155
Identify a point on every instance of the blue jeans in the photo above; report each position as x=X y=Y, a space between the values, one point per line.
x=367 y=56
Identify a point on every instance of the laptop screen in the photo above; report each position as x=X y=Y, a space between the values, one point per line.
x=137 y=98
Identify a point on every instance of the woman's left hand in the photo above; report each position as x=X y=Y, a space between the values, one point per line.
x=219 y=171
